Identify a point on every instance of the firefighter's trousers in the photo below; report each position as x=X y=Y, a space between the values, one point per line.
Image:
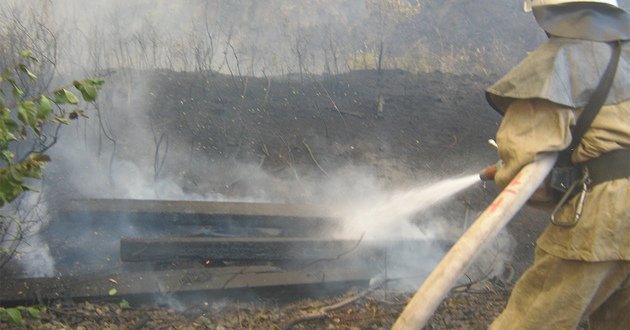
x=556 y=294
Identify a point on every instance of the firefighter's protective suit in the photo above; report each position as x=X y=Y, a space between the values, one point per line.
x=581 y=270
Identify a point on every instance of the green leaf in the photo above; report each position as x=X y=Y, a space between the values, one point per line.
x=60 y=120
x=14 y=315
x=88 y=88
x=29 y=106
x=28 y=54
x=72 y=99
x=97 y=82
x=124 y=304
x=12 y=127
x=24 y=69
x=26 y=187
x=29 y=168
x=44 y=109
x=112 y=292
x=27 y=114
x=88 y=91
x=40 y=157
x=23 y=115
x=8 y=155
x=17 y=91
x=8 y=127
x=34 y=312
x=63 y=96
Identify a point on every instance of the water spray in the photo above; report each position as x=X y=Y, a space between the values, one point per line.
x=389 y=217
x=426 y=300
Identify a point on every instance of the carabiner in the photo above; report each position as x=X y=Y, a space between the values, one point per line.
x=579 y=207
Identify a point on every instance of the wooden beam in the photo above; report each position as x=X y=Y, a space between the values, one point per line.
x=252 y=248
x=38 y=290
x=197 y=212
x=196 y=207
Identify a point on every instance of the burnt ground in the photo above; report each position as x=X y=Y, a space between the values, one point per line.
x=299 y=130
x=467 y=308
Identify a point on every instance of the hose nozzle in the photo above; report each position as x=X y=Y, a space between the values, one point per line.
x=488 y=173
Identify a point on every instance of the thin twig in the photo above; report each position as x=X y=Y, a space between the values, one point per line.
x=265 y=150
x=467 y=285
x=455 y=141
x=339 y=255
x=351 y=113
x=229 y=280
x=310 y=152
x=334 y=105
x=262 y=161
x=268 y=89
x=158 y=162
x=289 y=162
x=323 y=312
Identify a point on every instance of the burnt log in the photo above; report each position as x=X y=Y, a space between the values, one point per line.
x=257 y=248
x=173 y=212
x=157 y=283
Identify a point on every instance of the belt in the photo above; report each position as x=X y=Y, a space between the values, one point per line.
x=609 y=166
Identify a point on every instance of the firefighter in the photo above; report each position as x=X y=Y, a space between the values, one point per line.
x=582 y=259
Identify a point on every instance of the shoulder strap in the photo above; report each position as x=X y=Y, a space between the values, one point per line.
x=591 y=109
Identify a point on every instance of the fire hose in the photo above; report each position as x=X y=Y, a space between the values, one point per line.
x=435 y=288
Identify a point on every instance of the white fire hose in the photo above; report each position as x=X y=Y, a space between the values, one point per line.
x=435 y=288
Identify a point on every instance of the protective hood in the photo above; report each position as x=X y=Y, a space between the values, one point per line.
x=584 y=20
x=563 y=71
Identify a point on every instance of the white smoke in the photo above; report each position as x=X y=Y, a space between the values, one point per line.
x=32 y=252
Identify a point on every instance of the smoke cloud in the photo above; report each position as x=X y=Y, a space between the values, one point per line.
x=124 y=151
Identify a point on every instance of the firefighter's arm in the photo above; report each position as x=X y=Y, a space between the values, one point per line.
x=530 y=127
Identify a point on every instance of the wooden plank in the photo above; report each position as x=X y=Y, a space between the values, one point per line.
x=171 y=281
x=196 y=207
x=197 y=213
x=250 y=248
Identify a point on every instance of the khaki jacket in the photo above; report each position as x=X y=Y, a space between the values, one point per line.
x=532 y=126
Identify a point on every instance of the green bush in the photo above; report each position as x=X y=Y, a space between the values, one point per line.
x=23 y=122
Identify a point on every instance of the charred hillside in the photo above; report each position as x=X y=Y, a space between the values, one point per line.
x=427 y=122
